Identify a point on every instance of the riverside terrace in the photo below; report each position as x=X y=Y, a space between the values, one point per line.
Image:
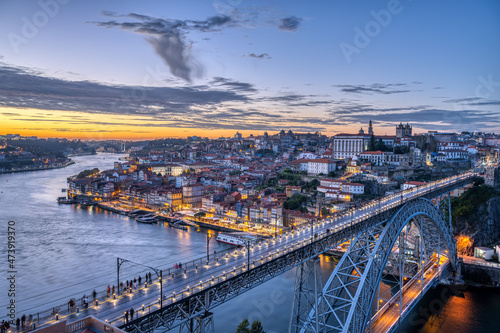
x=202 y=285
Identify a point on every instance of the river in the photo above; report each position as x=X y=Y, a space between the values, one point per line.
x=65 y=251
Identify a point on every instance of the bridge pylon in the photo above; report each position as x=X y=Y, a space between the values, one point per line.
x=200 y=324
x=403 y=252
x=307 y=297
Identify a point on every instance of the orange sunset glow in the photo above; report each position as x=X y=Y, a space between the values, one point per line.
x=98 y=126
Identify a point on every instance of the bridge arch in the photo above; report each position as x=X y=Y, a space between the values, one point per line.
x=347 y=297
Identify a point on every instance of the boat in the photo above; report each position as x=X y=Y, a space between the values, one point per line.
x=177 y=225
x=180 y=227
x=189 y=223
x=136 y=213
x=146 y=219
x=236 y=238
x=65 y=200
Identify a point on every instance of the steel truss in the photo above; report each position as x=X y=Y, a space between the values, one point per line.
x=198 y=304
x=351 y=289
x=308 y=288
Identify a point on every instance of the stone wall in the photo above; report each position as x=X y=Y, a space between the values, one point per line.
x=486 y=276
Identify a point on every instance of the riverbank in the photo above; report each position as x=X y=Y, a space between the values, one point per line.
x=122 y=208
x=43 y=167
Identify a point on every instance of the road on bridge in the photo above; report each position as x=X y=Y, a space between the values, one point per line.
x=411 y=293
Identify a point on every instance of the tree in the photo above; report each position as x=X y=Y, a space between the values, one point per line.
x=243 y=327
x=371 y=144
x=200 y=214
x=331 y=174
x=381 y=145
x=257 y=327
x=295 y=202
x=401 y=149
x=86 y=173
x=478 y=181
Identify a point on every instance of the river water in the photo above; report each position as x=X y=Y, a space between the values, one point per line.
x=65 y=251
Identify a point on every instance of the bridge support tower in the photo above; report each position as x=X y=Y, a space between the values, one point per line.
x=307 y=296
x=200 y=324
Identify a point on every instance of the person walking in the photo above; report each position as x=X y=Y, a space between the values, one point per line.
x=135 y=283
x=18 y=323
x=109 y=290
x=113 y=289
x=150 y=281
x=140 y=280
x=94 y=294
x=23 y=320
x=126 y=316
x=132 y=313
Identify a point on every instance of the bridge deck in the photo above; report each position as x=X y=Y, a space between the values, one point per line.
x=182 y=285
x=391 y=316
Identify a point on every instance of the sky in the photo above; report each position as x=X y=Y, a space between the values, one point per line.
x=151 y=69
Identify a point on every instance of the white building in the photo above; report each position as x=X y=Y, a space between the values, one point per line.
x=483 y=252
x=321 y=165
x=411 y=184
x=330 y=182
x=349 y=145
x=354 y=188
x=376 y=157
x=307 y=155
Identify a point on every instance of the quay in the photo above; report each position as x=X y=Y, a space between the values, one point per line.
x=49 y=167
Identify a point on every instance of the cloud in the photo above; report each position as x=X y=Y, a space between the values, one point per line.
x=421 y=116
x=475 y=101
x=289 y=23
x=21 y=88
x=259 y=56
x=223 y=104
x=232 y=85
x=168 y=36
x=376 y=88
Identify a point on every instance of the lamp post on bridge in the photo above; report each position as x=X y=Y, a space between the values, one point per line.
x=247 y=242
x=209 y=237
x=159 y=273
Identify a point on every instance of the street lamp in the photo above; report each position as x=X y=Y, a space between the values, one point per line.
x=248 y=241
x=209 y=237
x=159 y=273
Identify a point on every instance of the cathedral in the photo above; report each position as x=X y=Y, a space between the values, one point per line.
x=403 y=130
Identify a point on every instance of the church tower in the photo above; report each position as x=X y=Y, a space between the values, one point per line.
x=370 y=128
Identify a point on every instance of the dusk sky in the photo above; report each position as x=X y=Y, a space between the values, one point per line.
x=149 y=69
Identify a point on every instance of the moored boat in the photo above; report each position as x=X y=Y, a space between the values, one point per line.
x=150 y=219
x=65 y=200
x=236 y=238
